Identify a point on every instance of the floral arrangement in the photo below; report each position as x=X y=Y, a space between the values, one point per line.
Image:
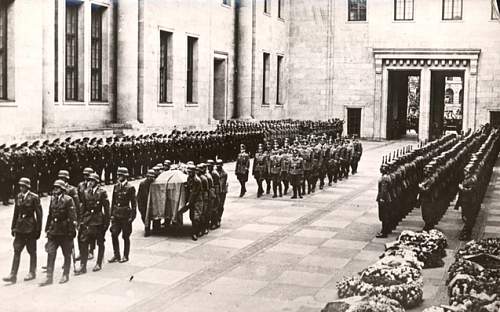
x=376 y=303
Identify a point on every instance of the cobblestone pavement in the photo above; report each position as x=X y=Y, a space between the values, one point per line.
x=269 y=255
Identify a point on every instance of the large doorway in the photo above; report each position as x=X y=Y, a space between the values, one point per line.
x=403 y=107
x=447 y=98
x=220 y=84
x=353 y=121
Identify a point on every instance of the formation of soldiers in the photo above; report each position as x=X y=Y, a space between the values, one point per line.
x=82 y=212
x=41 y=161
x=302 y=165
x=428 y=176
x=476 y=176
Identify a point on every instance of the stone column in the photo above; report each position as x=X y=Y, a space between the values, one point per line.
x=425 y=104
x=245 y=51
x=127 y=63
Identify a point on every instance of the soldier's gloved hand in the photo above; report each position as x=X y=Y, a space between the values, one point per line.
x=13 y=233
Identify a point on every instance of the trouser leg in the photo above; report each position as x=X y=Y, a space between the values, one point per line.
x=67 y=247
x=127 y=230
x=31 y=247
x=52 y=245
x=115 y=231
x=84 y=253
x=100 y=250
x=18 y=248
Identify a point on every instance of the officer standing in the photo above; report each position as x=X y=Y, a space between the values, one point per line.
x=123 y=212
x=205 y=190
x=285 y=168
x=223 y=189
x=60 y=229
x=384 y=199
x=296 y=173
x=26 y=228
x=94 y=222
x=242 y=167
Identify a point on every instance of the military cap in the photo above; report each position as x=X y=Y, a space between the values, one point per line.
x=210 y=162
x=13 y=146
x=243 y=146
x=60 y=184
x=167 y=162
x=68 y=139
x=151 y=173
x=85 y=139
x=159 y=166
x=63 y=174
x=88 y=170
x=35 y=143
x=109 y=139
x=94 y=176
x=122 y=171
x=93 y=140
x=191 y=167
x=190 y=163
x=25 y=181
x=2 y=146
x=100 y=140
x=45 y=142
x=57 y=140
x=219 y=162
x=200 y=166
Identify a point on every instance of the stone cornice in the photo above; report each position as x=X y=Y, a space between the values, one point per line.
x=426 y=57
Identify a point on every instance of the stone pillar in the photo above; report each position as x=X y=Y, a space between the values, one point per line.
x=245 y=46
x=127 y=63
x=425 y=104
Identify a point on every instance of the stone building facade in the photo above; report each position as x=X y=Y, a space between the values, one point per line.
x=93 y=65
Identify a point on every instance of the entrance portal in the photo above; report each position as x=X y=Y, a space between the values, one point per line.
x=446 y=102
x=403 y=103
x=353 y=121
x=220 y=82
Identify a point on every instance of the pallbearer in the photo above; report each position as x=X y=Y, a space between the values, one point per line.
x=26 y=228
x=94 y=222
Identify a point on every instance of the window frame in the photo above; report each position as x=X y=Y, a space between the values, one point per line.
x=96 y=66
x=73 y=69
x=404 y=11
x=4 y=6
x=350 y=3
x=266 y=73
x=191 y=70
x=280 y=8
x=279 y=77
x=453 y=11
x=267 y=7
x=164 y=67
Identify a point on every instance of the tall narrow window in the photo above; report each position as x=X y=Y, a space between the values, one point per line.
x=56 y=51
x=403 y=10
x=165 y=67
x=279 y=78
x=3 y=50
x=267 y=6
x=192 y=70
x=96 y=54
x=265 y=78
x=357 y=10
x=280 y=8
x=71 y=52
x=452 y=9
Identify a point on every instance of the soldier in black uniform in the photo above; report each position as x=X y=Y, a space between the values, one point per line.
x=143 y=194
x=223 y=190
x=260 y=168
x=26 y=228
x=242 y=167
x=123 y=212
x=296 y=173
x=94 y=222
x=60 y=229
x=384 y=199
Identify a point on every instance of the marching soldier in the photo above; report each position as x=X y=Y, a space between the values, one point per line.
x=82 y=187
x=123 y=212
x=26 y=228
x=285 y=169
x=214 y=216
x=242 y=167
x=296 y=173
x=306 y=155
x=94 y=222
x=61 y=230
x=223 y=189
x=357 y=153
x=260 y=168
x=274 y=169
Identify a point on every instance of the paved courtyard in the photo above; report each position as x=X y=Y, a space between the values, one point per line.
x=269 y=255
